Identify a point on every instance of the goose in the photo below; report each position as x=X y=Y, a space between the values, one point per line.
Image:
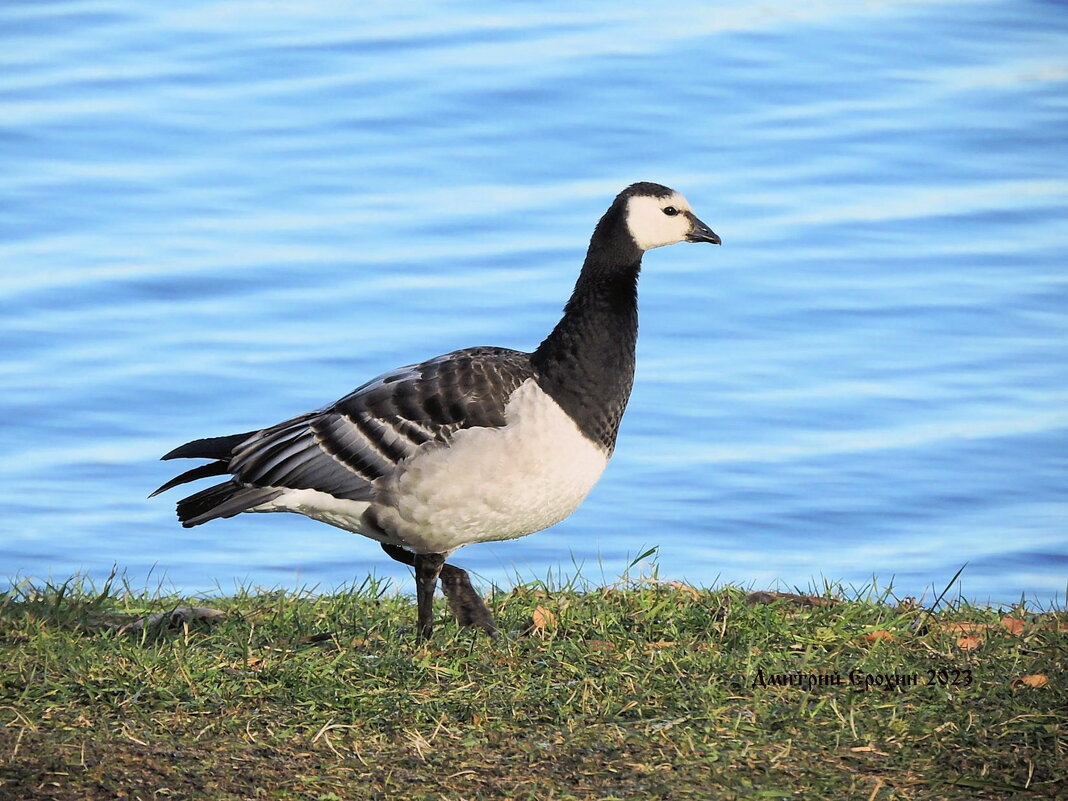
x=480 y=444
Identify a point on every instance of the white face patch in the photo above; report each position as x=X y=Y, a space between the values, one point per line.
x=653 y=227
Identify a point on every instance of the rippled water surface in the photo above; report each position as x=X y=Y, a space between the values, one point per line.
x=215 y=216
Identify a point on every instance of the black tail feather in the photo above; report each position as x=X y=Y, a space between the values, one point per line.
x=222 y=500
x=209 y=447
x=201 y=471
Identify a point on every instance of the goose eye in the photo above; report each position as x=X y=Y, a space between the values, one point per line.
x=671 y=211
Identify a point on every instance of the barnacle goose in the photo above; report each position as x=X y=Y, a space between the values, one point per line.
x=477 y=445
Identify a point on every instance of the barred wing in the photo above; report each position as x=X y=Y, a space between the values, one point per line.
x=343 y=448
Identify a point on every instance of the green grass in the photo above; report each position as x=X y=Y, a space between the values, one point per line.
x=641 y=690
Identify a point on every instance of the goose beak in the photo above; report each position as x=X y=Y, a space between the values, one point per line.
x=699 y=232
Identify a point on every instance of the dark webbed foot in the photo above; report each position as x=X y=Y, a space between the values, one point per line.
x=465 y=604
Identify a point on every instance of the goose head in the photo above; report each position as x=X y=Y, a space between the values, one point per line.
x=656 y=216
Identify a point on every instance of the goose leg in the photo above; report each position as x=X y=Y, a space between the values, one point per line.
x=465 y=604
x=427 y=568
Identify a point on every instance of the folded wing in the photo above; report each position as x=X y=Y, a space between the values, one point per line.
x=342 y=449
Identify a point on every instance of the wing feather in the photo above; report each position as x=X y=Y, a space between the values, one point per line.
x=344 y=448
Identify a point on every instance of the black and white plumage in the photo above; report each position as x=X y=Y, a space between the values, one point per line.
x=477 y=445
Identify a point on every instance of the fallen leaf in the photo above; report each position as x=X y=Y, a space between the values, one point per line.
x=969 y=642
x=1014 y=625
x=963 y=627
x=543 y=618
x=600 y=645
x=653 y=646
x=1032 y=680
x=879 y=635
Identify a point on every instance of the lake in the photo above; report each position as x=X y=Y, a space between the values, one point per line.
x=217 y=216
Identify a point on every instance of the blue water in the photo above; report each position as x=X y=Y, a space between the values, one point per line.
x=216 y=216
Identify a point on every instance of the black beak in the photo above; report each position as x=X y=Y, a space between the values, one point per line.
x=699 y=232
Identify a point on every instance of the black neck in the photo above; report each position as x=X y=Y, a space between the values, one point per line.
x=587 y=363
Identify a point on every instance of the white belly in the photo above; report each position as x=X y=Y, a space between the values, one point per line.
x=491 y=483
x=323 y=507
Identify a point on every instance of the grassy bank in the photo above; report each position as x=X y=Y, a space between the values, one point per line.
x=648 y=689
